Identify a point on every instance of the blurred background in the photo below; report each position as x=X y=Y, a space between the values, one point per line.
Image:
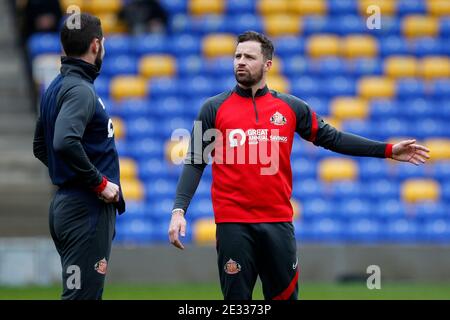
x=164 y=58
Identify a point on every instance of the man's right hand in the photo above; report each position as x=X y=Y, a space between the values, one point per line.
x=177 y=226
x=111 y=193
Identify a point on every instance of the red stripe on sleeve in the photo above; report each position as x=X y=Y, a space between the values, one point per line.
x=289 y=290
x=314 y=127
x=388 y=151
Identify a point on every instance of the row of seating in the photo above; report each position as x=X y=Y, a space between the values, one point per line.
x=269 y=7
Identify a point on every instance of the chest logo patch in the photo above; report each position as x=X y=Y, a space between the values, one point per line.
x=278 y=119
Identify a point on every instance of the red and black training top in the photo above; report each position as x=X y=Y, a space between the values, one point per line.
x=250 y=150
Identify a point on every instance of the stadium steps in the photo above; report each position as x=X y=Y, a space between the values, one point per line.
x=25 y=191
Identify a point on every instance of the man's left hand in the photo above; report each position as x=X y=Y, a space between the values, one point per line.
x=409 y=151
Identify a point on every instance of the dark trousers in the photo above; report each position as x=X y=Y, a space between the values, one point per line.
x=266 y=249
x=82 y=228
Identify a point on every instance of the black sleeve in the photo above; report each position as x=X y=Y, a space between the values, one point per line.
x=196 y=160
x=313 y=128
x=39 y=146
x=77 y=109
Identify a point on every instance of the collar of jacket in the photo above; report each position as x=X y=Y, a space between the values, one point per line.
x=248 y=92
x=86 y=70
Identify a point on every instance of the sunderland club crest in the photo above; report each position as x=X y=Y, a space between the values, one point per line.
x=278 y=119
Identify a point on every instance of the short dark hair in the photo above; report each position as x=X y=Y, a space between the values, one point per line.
x=76 y=39
x=266 y=44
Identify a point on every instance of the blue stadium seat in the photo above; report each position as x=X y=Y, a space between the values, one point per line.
x=303 y=231
x=225 y=83
x=330 y=66
x=407 y=7
x=429 y=127
x=346 y=190
x=364 y=230
x=174 y=7
x=243 y=22
x=136 y=209
x=181 y=24
x=328 y=230
x=191 y=65
x=305 y=168
x=363 y=66
x=389 y=209
x=316 y=24
x=319 y=105
x=154 y=168
x=418 y=108
x=383 y=189
x=444 y=27
x=382 y=108
x=184 y=45
x=314 y=208
x=119 y=65
x=123 y=148
x=136 y=232
x=140 y=128
x=117 y=44
x=358 y=127
x=218 y=67
x=338 y=7
x=402 y=230
x=406 y=171
x=350 y=209
x=306 y=86
x=339 y=86
x=134 y=108
x=350 y=24
x=163 y=87
x=288 y=46
x=442 y=172
x=295 y=66
x=372 y=169
x=169 y=106
x=146 y=148
x=101 y=85
x=430 y=211
x=40 y=43
x=437 y=231
x=208 y=24
x=426 y=46
x=393 y=45
x=160 y=208
x=197 y=86
x=160 y=188
x=390 y=26
x=201 y=208
x=237 y=7
x=440 y=88
x=171 y=123
x=410 y=88
x=150 y=43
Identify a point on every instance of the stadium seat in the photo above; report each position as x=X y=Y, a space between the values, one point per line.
x=157 y=66
x=209 y=24
x=141 y=127
x=417 y=190
x=376 y=87
x=410 y=88
x=327 y=230
x=297 y=209
x=128 y=87
x=401 y=66
x=387 y=7
x=340 y=7
x=216 y=45
x=363 y=67
x=393 y=45
x=435 y=67
x=315 y=208
x=65 y=4
x=437 y=231
x=204 y=231
x=277 y=66
x=414 y=26
x=402 y=230
x=438 y=7
x=102 y=86
x=217 y=67
x=317 y=24
x=429 y=211
x=119 y=65
x=278 y=83
x=440 y=88
x=240 y=23
x=363 y=230
x=175 y=7
x=304 y=86
x=288 y=46
x=206 y=7
x=132 y=189
x=128 y=169
x=118 y=44
x=327 y=66
x=281 y=25
x=439 y=148
x=190 y=65
x=344 y=108
x=271 y=7
x=304 y=168
x=200 y=208
x=389 y=209
x=44 y=43
x=359 y=46
x=335 y=169
x=146 y=148
x=149 y=44
x=407 y=7
x=164 y=87
x=339 y=86
x=334 y=122
x=345 y=191
x=176 y=150
x=97 y=7
x=427 y=46
x=384 y=108
x=119 y=128
x=323 y=45
x=111 y=24
x=307 y=7
x=234 y=7
x=349 y=24
x=184 y=45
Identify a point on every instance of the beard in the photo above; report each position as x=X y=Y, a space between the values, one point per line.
x=98 y=58
x=248 y=80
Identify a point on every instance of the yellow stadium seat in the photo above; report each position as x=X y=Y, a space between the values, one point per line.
x=336 y=123
x=438 y=7
x=111 y=24
x=216 y=45
x=401 y=66
x=65 y=4
x=278 y=83
x=387 y=7
x=336 y=169
x=119 y=128
x=435 y=67
x=323 y=45
x=204 y=231
x=277 y=66
x=176 y=150
x=297 y=208
x=128 y=87
x=345 y=108
x=418 y=190
x=359 y=46
x=280 y=25
x=439 y=148
x=420 y=26
x=132 y=189
x=308 y=7
x=205 y=7
x=128 y=168
x=270 y=7
x=157 y=66
x=376 y=87
x=97 y=7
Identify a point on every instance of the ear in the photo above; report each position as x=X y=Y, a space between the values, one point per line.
x=267 y=65
x=95 y=45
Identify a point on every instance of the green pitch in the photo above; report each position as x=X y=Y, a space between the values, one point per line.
x=317 y=291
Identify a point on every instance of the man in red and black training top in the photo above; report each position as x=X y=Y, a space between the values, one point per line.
x=253 y=129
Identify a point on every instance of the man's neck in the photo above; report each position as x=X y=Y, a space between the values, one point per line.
x=261 y=84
